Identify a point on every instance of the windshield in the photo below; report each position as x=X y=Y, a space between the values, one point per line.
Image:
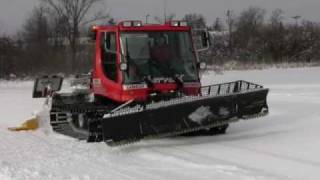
x=158 y=55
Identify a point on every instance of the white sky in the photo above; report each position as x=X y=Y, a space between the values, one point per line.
x=14 y=12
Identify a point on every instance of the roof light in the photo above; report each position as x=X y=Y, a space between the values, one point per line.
x=94 y=28
x=178 y=23
x=183 y=23
x=127 y=24
x=132 y=23
x=137 y=23
x=175 y=23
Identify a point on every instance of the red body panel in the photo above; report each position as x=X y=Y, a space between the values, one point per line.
x=101 y=84
x=116 y=90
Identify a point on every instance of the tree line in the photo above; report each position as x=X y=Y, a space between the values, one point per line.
x=252 y=38
x=53 y=38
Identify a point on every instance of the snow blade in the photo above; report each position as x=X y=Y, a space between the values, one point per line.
x=181 y=116
x=31 y=124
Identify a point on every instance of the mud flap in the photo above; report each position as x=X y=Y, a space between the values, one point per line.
x=174 y=118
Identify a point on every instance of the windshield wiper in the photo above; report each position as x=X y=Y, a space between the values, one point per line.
x=127 y=49
x=148 y=81
x=166 y=71
x=179 y=81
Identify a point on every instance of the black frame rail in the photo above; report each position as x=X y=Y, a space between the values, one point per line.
x=229 y=88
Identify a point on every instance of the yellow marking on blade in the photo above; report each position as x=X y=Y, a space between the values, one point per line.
x=31 y=124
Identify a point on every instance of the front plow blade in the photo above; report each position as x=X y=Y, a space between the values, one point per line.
x=31 y=124
x=183 y=115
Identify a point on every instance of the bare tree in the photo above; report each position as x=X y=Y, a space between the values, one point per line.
x=72 y=15
x=35 y=35
x=217 y=25
x=36 y=29
x=275 y=35
x=248 y=25
x=169 y=17
x=7 y=54
x=276 y=17
x=230 y=23
x=196 y=21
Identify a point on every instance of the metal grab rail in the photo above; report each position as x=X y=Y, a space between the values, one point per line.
x=229 y=87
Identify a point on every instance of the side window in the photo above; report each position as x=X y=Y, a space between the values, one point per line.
x=109 y=55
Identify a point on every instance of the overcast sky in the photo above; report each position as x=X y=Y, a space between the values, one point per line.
x=14 y=12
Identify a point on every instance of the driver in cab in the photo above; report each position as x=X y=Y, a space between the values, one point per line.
x=160 y=51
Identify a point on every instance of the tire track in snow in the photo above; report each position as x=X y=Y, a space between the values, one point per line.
x=242 y=169
x=186 y=157
x=108 y=165
x=160 y=163
x=59 y=153
x=279 y=156
x=53 y=156
x=266 y=172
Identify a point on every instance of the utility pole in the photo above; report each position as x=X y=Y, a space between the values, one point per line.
x=165 y=10
x=296 y=18
x=147 y=16
x=230 y=23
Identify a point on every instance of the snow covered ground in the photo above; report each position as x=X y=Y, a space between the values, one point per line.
x=283 y=145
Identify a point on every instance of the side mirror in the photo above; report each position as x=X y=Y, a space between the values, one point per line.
x=201 y=39
x=205 y=39
x=107 y=41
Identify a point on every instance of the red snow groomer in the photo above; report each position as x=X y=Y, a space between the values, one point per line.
x=145 y=84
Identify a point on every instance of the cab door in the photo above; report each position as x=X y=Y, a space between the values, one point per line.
x=106 y=76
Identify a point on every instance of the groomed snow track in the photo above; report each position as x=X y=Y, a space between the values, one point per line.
x=283 y=145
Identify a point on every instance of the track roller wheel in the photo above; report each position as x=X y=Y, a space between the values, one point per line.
x=218 y=130
x=95 y=132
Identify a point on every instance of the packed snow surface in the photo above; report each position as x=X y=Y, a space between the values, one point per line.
x=283 y=145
